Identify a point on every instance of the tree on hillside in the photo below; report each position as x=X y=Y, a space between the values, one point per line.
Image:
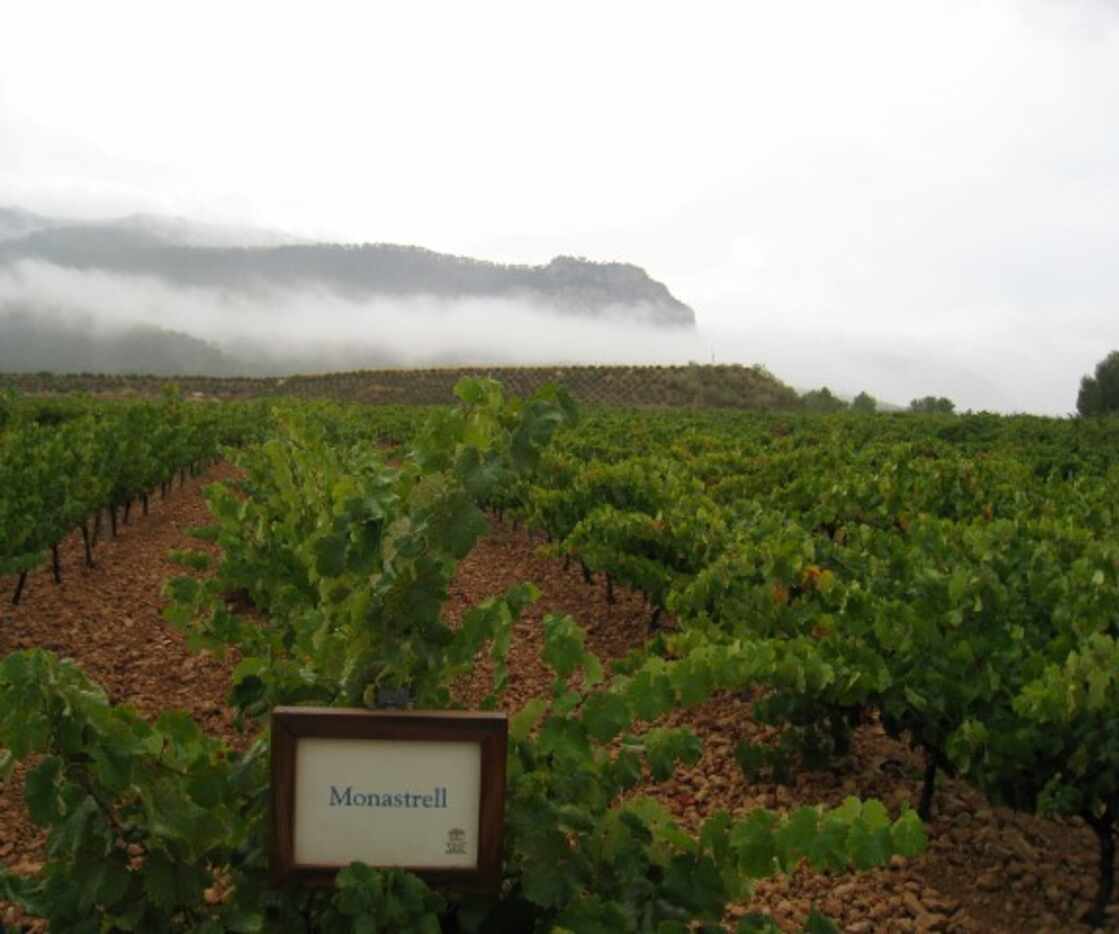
x=1099 y=394
x=864 y=402
x=822 y=400
x=933 y=404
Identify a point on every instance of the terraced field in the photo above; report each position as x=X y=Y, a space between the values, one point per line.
x=693 y=386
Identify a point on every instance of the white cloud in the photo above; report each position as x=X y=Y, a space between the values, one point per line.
x=317 y=324
x=941 y=175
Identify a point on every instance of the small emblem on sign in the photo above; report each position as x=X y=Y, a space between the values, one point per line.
x=456 y=842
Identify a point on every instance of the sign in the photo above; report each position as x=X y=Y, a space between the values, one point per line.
x=419 y=790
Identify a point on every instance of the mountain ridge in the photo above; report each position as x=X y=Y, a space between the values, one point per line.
x=174 y=250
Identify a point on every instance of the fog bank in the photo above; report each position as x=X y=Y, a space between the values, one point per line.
x=313 y=329
x=62 y=319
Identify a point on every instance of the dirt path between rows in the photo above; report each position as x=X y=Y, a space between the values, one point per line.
x=987 y=869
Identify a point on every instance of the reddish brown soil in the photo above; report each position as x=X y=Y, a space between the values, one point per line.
x=108 y=619
x=987 y=869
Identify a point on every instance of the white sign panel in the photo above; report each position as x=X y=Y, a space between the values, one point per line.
x=419 y=790
x=387 y=803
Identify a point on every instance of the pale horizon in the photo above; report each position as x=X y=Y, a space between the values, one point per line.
x=902 y=199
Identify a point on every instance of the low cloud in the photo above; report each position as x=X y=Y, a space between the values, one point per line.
x=64 y=319
x=315 y=329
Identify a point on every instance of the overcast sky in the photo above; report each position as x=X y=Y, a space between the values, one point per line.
x=905 y=197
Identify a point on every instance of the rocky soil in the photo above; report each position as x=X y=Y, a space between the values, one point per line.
x=986 y=870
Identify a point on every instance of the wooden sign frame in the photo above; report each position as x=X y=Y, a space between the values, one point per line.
x=487 y=729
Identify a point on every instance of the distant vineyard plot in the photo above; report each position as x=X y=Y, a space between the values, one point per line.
x=722 y=386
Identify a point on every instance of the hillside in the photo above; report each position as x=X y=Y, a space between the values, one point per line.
x=185 y=254
x=15 y=223
x=693 y=385
x=32 y=341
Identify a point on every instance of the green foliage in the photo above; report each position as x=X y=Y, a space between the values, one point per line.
x=351 y=558
x=956 y=576
x=822 y=400
x=60 y=464
x=933 y=405
x=865 y=403
x=568 y=835
x=1099 y=393
x=368 y=900
x=348 y=558
x=141 y=819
